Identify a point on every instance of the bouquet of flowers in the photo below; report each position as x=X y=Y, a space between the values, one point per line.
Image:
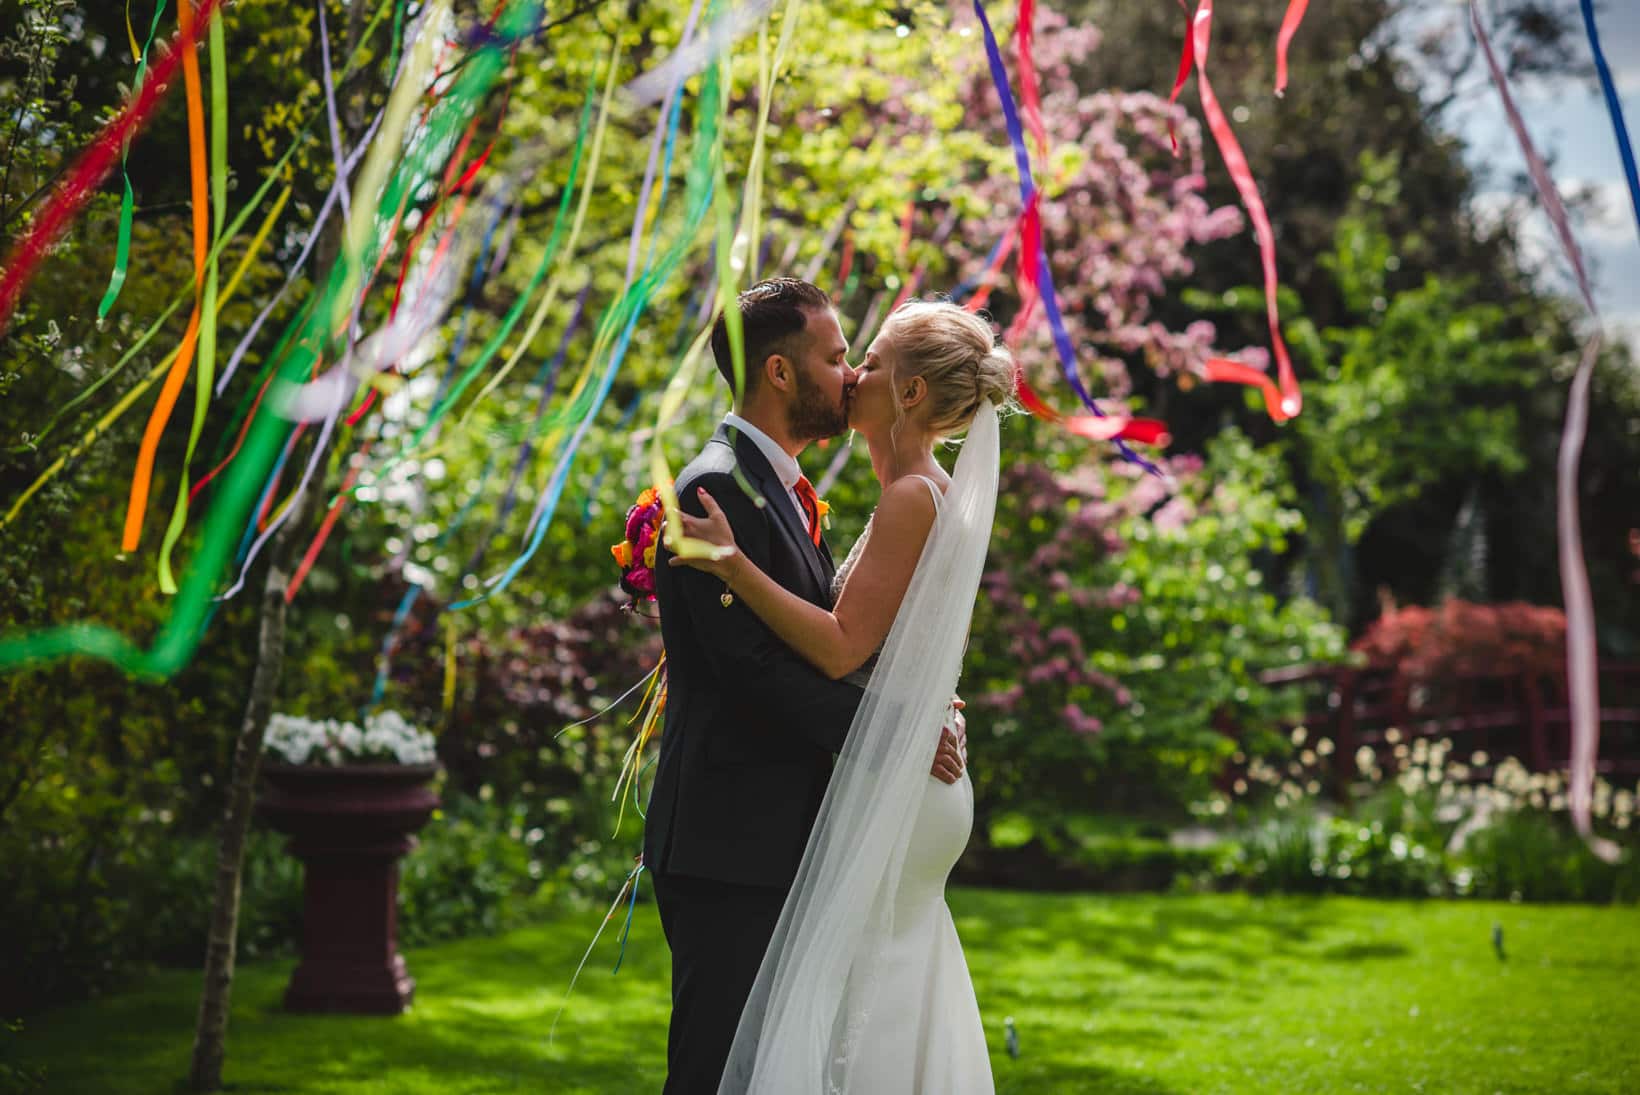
x=635 y=553
x=386 y=737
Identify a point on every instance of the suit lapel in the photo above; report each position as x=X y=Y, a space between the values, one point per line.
x=757 y=469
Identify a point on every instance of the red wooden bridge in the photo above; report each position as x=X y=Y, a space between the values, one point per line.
x=1518 y=714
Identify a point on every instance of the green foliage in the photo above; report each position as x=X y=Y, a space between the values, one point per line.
x=126 y=900
x=1396 y=843
x=1525 y=855
x=1421 y=389
x=473 y=869
x=1123 y=631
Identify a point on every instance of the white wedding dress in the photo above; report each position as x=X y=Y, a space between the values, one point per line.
x=924 y=1033
x=864 y=989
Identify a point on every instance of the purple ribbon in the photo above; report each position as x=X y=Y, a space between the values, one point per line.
x=1027 y=193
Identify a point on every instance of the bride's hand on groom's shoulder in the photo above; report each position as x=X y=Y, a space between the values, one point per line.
x=713 y=529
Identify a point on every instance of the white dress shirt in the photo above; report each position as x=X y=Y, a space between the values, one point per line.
x=784 y=463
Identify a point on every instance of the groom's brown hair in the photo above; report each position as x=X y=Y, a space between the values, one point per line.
x=771 y=312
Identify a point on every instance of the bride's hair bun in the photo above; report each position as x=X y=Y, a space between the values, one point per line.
x=957 y=354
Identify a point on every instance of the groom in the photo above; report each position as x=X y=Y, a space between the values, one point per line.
x=751 y=729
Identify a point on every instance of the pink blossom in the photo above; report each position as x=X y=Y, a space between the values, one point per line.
x=1079 y=722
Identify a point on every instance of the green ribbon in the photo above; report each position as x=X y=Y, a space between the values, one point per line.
x=122 y=247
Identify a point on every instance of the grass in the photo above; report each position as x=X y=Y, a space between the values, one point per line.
x=1137 y=995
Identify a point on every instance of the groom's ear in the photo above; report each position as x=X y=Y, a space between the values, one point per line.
x=780 y=372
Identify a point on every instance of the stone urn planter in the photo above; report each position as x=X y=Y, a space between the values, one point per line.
x=349 y=825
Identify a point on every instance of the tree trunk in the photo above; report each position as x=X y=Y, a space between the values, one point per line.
x=211 y=1032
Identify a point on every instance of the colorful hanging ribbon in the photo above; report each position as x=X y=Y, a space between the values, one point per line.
x=1035 y=273
x=1289 y=27
x=137 y=504
x=1582 y=678
x=1614 y=107
x=181 y=630
x=94 y=165
x=208 y=302
x=1291 y=401
x=122 y=240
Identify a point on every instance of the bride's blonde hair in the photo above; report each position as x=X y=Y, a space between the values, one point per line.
x=957 y=355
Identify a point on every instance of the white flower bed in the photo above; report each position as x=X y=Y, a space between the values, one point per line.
x=386 y=737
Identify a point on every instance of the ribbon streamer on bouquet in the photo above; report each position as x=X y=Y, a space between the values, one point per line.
x=642 y=682
x=94 y=165
x=1582 y=682
x=648 y=717
x=1614 y=107
x=627 y=887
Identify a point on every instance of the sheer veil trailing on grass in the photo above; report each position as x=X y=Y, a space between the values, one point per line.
x=801 y=1030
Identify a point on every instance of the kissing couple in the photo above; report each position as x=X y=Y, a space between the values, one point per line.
x=811 y=795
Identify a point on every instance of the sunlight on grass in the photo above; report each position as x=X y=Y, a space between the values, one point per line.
x=1134 y=994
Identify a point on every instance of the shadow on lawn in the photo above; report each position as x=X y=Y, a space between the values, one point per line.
x=1079 y=976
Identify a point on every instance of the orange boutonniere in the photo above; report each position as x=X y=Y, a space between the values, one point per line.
x=822 y=507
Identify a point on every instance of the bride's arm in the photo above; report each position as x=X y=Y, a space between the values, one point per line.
x=836 y=642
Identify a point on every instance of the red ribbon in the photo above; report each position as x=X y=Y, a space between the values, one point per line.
x=1030 y=99
x=94 y=164
x=1187 y=61
x=1290 y=401
x=1289 y=27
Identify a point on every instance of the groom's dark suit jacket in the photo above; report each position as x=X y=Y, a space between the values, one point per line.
x=751 y=729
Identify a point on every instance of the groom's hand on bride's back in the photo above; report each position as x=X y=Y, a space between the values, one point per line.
x=952 y=755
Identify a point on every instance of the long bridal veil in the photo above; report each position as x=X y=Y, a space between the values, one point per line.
x=814 y=992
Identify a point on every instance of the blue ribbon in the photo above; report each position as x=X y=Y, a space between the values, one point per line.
x=1027 y=192
x=1615 y=107
x=633 y=302
x=547 y=379
x=603 y=465
x=626 y=929
x=408 y=601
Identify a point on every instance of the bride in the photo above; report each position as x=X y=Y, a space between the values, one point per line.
x=864 y=988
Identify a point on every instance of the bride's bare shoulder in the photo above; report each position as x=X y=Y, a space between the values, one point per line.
x=905 y=510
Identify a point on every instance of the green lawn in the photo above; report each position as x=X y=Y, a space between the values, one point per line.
x=1133 y=994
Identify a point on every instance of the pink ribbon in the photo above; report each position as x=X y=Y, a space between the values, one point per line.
x=1289 y=27
x=1582 y=684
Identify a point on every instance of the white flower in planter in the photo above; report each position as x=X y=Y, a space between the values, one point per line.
x=386 y=736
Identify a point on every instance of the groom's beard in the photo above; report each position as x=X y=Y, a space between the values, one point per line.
x=812 y=416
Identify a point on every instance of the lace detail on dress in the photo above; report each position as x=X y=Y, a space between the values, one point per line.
x=862 y=674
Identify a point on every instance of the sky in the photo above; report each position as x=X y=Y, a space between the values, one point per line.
x=1571 y=127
